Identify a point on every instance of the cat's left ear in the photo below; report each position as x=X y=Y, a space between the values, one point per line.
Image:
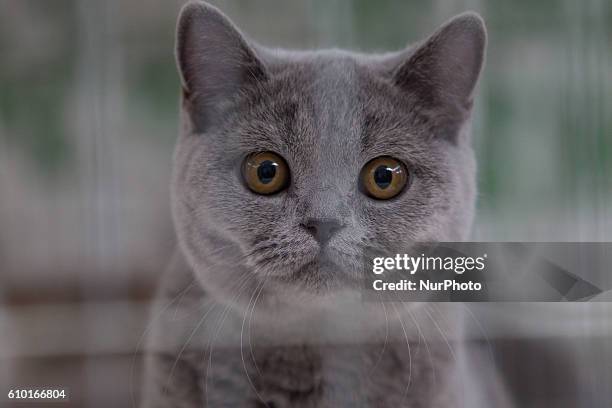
x=442 y=71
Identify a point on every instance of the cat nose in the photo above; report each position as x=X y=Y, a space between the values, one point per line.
x=322 y=229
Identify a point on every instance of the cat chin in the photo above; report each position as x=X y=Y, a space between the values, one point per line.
x=321 y=279
x=340 y=317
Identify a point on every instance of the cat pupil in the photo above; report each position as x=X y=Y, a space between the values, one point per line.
x=383 y=176
x=266 y=171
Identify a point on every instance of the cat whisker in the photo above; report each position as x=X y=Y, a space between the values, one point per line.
x=421 y=335
x=249 y=326
x=189 y=338
x=384 y=346
x=482 y=330
x=146 y=331
x=239 y=292
x=248 y=254
x=445 y=338
x=405 y=393
x=180 y=298
x=442 y=334
x=256 y=292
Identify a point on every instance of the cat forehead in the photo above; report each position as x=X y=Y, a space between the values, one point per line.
x=331 y=101
x=331 y=83
x=328 y=67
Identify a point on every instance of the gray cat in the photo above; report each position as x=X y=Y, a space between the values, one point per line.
x=290 y=165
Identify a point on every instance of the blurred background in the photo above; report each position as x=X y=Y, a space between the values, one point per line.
x=88 y=119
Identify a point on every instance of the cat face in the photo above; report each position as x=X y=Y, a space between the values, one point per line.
x=291 y=165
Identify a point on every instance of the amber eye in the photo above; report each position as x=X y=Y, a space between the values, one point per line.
x=383 y=177
x=265 y=172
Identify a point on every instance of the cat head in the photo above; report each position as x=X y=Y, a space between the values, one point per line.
x=290 y=165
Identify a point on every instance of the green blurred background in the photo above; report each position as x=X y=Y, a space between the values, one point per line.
x=88 y=118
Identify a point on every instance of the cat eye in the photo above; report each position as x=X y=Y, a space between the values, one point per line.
x=265 y=173
x=383 y=178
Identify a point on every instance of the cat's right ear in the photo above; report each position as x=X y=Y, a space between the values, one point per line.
x=214 y=60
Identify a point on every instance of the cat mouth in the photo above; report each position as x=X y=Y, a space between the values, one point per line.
x=322 y=274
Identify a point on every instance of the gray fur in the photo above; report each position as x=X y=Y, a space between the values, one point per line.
x=327 y=113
